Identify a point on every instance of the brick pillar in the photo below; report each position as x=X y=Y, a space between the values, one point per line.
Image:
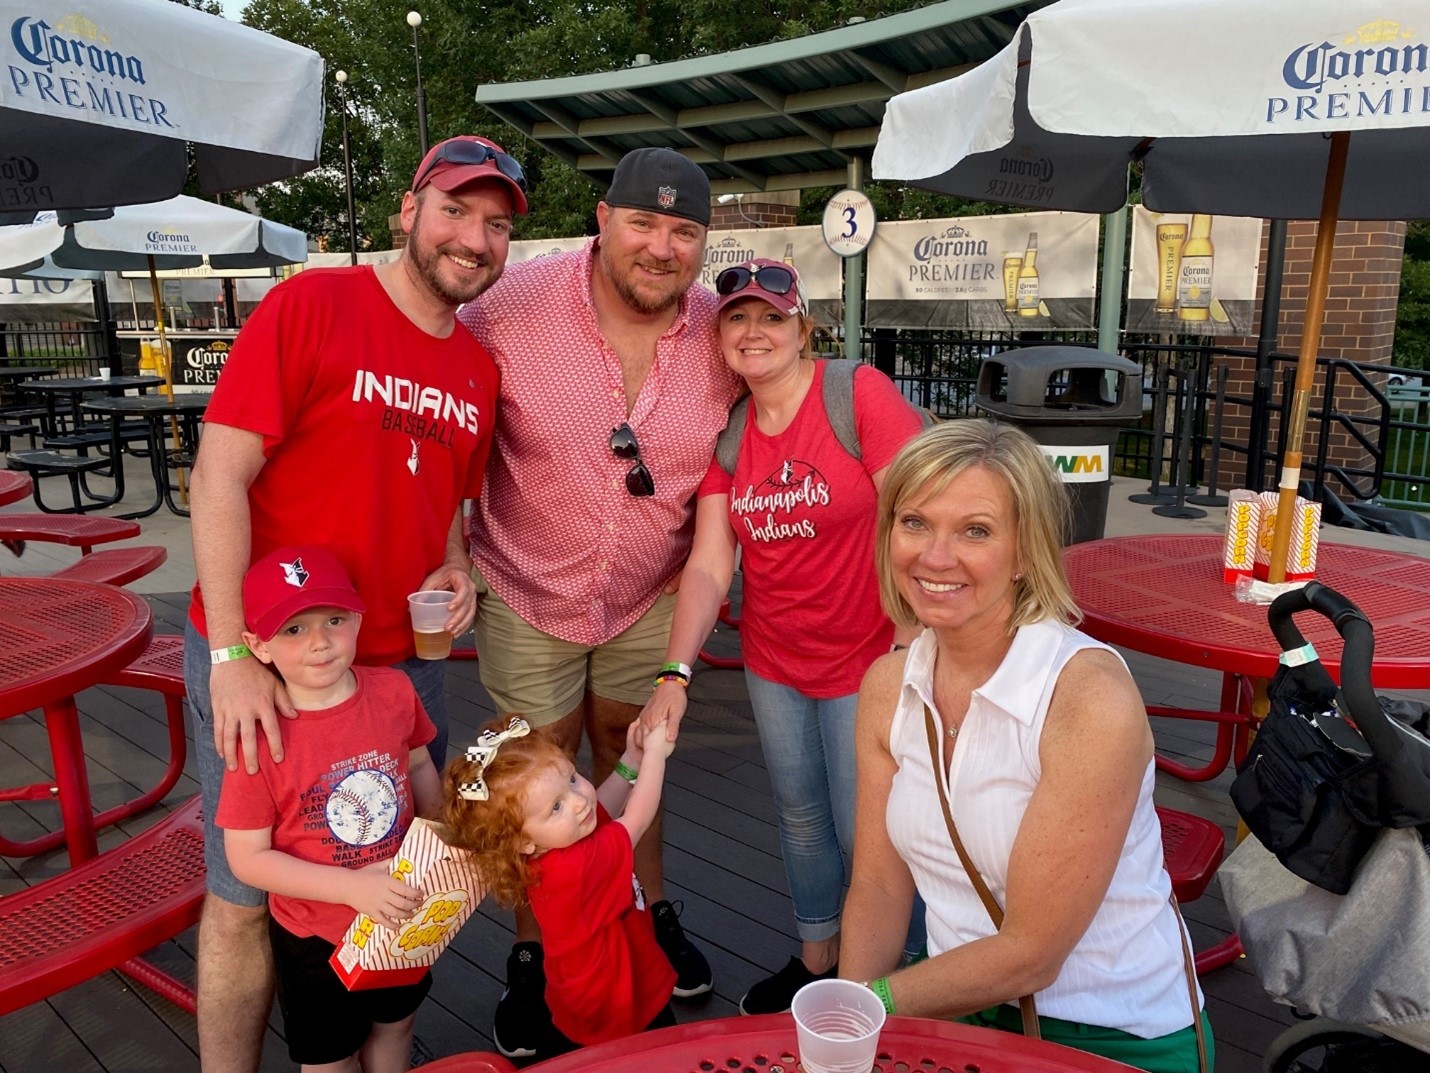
x=1359 y=325
x=774 y=208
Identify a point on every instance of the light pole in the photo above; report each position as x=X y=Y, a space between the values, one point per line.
x=341 y=77
x=415 y=20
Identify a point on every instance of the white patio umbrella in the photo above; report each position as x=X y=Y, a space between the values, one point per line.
x=1295 y=109
x=102 y=100
x=182 y=232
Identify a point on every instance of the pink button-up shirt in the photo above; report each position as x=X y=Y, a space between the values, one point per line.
x=555 y=533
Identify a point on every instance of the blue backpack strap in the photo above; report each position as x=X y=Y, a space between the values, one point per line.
x=727 y=445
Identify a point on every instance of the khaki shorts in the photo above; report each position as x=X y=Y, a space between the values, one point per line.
x=543 y=678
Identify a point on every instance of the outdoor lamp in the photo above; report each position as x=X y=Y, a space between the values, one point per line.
x=341 y=78
x=414 y=19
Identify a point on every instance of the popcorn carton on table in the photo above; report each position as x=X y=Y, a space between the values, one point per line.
x=1305 y=539
x=1243 y=522
x=373 y=955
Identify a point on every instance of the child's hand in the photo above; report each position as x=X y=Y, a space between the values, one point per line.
x=658 y=742
x=635 y=743
x=375 y=891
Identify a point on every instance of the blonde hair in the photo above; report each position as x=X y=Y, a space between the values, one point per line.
x=1042 y=513
x=491 y=830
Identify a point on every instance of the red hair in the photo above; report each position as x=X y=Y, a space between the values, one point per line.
x=491 y=830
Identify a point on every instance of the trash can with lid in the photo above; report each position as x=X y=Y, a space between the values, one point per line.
x=1073 y=401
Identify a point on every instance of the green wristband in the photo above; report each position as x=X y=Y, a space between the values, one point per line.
x=225 y=655
x=880 y=987
x=626 y=772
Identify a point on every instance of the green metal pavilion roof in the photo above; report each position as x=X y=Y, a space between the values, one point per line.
x=780 y=116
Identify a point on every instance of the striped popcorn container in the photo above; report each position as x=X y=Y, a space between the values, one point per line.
x=1305 y=538
x=372 y=955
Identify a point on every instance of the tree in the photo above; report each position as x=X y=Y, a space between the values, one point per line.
x=1412 y=315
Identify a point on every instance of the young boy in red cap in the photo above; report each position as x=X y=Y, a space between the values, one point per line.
x=317 y=831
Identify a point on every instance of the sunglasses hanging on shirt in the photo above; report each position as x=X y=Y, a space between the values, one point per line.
x=639 y=482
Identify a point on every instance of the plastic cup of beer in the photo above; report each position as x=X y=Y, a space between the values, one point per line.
x=837 y=1025
x=429 y=623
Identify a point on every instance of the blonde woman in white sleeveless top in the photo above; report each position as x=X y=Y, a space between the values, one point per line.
x=1046 y=756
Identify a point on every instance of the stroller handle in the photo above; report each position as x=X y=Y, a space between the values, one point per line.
x=1357 y=655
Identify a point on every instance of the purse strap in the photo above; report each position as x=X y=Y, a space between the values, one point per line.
x=1025 y=1004
x=1189 y=968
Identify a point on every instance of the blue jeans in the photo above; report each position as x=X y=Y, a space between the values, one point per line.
x=428 y=678
x=809 y=753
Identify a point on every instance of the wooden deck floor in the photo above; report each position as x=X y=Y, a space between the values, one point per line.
x=722 y=862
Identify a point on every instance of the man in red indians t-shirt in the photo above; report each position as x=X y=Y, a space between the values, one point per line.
x=353 y=413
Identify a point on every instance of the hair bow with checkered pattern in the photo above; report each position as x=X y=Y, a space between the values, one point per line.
x=482 y=754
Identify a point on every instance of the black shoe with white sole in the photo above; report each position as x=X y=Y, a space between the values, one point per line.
x=692 y=972
x=522 y=1018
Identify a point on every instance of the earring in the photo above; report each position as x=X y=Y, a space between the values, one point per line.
x=1018 y=576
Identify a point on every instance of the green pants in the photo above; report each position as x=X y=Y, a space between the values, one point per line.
x=1175 y=1052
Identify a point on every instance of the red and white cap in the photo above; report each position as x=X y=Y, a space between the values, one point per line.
x=447 y=175
x=751 y=281
x=288 y=581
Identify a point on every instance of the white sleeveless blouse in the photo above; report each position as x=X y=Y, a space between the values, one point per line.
x=1127 y=971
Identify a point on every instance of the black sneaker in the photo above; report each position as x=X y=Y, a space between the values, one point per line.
x=522 y=1016
x=692 y=972
x=774 y=993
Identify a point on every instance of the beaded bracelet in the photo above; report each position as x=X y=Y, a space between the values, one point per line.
x=880 y=987
x=626 y=772
x=671 y=676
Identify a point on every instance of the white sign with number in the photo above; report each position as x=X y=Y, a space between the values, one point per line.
x=848 y=223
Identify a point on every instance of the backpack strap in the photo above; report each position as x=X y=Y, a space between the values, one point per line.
x=839 y=403
x=727 y=445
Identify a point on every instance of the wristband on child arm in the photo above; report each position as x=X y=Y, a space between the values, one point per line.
x=626 y=772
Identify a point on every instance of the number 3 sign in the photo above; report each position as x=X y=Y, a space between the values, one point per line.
x=848 y=223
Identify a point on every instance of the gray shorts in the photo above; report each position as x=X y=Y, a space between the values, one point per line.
x=428 y=678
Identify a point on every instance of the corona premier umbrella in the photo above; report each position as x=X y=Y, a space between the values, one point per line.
x=101 y=102
x=1294 y=109
x=182 y=232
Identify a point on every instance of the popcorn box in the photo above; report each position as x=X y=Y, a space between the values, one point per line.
x=1243 y=520
x=372 y=955
x=1305 y=538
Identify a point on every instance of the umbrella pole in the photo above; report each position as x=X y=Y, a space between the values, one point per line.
x=168 y=366
x=1306 y=359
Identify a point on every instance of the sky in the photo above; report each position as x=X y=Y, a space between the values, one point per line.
x=233 y=8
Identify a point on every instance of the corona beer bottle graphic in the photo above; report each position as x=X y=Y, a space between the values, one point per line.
x=1194 y=279
x=1028 y=297
x=789 y=253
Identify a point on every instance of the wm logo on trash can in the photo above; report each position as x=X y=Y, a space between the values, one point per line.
x=1078 y=465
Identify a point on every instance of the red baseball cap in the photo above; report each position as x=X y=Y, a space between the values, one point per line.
x=768 y=280
x=291 y=580
x=452 y=164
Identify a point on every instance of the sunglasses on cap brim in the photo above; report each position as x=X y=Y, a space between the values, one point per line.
x=467 y=152
x=775 y=279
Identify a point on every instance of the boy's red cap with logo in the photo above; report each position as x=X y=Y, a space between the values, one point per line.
x=291 y=580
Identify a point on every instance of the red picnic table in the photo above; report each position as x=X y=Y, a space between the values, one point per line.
x=766 y=1043
x=1164 y=595
x=14 y=486
x=60 y=637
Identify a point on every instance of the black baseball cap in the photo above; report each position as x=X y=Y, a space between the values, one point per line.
x=661 y=180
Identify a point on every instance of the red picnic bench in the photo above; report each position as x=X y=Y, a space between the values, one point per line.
x=113 y=566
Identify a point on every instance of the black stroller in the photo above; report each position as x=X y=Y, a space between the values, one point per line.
x=1331 y=897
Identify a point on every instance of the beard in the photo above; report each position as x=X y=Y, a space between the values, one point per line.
x=646 y=304
x=426 y=264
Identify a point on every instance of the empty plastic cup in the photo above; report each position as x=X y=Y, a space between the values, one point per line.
x=429 y=623
x=837 y=1023
x=104 y=372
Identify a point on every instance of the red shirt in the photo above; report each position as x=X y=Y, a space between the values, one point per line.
x=605 y=975
x=341 y=796
x=373 y=433
x=804 y=510
x=556 y=535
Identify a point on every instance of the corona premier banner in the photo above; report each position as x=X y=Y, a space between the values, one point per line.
x=41 y=301
x=1019 y=272
x=1192 y=274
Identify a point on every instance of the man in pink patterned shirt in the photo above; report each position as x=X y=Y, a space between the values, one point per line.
x=612 y=394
